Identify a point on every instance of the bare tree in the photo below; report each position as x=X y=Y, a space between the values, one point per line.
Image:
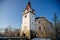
x=56 y=23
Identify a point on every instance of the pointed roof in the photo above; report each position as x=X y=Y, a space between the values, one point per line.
x=28 y=5
x=29 y=8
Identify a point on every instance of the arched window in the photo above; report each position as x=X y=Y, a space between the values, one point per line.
x=25 y=16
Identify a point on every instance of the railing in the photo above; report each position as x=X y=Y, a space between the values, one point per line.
x=13 y=38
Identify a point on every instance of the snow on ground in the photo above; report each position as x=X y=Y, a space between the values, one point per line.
x=41 y=39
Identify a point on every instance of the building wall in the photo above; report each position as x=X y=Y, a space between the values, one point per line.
x=28 y=22
x=43 y=27
x=32 y=21
x=25 y=29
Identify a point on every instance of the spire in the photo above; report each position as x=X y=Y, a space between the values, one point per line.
x=28 y=8
x=28 y=5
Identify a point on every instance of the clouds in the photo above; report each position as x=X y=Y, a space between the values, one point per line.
x=3 y=26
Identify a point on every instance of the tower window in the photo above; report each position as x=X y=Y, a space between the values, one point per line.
x=39 y=28
x=44 y=27
x=25 y=16
x=39 y=21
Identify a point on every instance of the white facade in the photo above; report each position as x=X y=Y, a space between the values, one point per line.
x=39 y=25
x=28 y=19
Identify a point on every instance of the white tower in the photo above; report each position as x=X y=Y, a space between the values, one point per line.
x=28 y=21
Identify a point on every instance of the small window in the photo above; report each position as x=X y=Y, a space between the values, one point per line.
x=32 y=22
x=41 y=32
x=39 y=28
x=39 y=21
x=44 y=27
x=25 y=16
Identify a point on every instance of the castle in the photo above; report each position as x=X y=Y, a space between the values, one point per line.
x=39 y=25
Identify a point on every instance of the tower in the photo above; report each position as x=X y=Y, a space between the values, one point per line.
x=28 y=21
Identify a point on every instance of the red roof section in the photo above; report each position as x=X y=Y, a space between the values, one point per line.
x=28 y=6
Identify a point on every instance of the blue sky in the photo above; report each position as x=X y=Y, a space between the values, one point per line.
x=11 y=10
